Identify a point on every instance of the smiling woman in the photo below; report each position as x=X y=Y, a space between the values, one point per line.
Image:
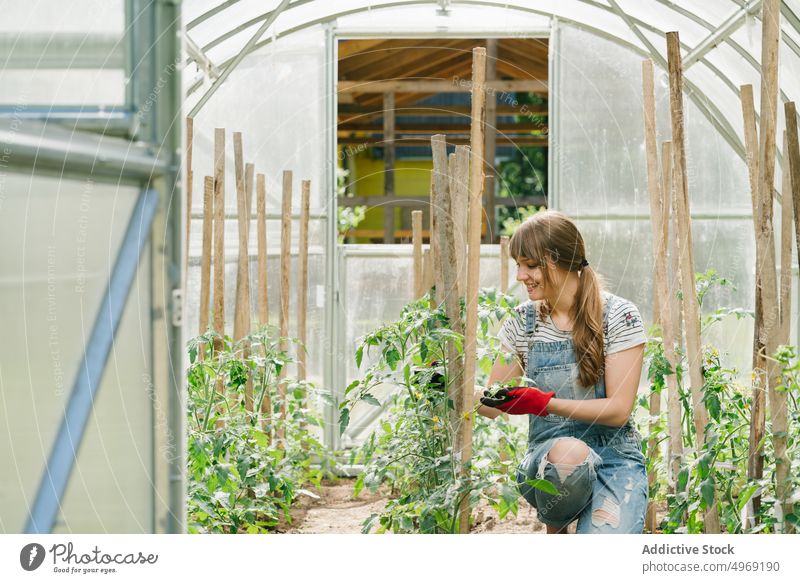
x=580 y=350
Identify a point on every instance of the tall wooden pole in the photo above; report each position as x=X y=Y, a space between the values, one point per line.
x=302 y=287
x=449 y=271
x=504 y=264
x=416 y=239
x=765 y=246
x=427 y=270
x=794 y=167
x=669 y=320
x=785 y=286
x=459 y=195
x=286 y=242
x=219 y=249
x=691 y=306
x=473 y=260
x=261 y=234
x=205 y=259
x=755 y=458
x=658 y=212
x=241 y=322
x=791 y=159
x=302 y=284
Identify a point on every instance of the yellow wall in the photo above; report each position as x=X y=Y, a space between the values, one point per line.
x=412 y=178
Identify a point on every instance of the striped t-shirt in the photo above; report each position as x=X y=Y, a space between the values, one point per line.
x=625 y=328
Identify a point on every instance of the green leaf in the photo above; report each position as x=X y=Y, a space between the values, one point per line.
x=359 y=485
x=392 y=357
x=344 y=420
x=261 y=438
x=359 y=355
x=707 y=491
x=423 y=351
x=543 y=485
x=683 y=479
x=370 y=399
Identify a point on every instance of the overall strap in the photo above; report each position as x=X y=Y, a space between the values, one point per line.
x=530 y=319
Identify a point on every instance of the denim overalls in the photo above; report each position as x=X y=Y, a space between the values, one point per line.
x=612 y=478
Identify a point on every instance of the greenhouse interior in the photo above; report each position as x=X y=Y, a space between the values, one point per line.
x=305 y=362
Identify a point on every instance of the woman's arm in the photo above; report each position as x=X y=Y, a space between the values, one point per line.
x=623 y=370
x=501 y=372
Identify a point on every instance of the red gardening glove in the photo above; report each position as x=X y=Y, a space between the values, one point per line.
x=519 y=401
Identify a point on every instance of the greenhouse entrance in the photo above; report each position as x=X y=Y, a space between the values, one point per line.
x=393 y=94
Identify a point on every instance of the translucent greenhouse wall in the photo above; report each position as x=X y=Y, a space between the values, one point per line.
x=277 y=98
x=599 y=178
x=62 y=237
x=597 y=170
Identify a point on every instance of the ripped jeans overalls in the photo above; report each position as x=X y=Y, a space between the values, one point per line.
x=613 y=478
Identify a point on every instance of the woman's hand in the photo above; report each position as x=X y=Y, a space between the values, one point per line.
x=519 y=401
x=502 y=372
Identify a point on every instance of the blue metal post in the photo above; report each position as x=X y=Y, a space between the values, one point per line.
x=84 y=389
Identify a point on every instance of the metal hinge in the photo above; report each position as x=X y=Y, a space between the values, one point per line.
x=177 y=307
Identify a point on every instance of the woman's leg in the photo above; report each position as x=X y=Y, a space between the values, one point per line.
x=567 y=463
x=619 y=498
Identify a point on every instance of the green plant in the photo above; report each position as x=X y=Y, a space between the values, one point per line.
x=716 y=471
x=241 y=478
x=516 y=217
x=413 y=450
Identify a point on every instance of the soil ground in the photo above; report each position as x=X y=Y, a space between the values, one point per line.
x=337 y=511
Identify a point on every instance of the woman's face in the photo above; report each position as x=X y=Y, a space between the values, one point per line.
x=529 y=273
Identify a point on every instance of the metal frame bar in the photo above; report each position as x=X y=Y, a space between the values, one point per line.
x=65 y=448
x=238 y=58
x=721 y=34
x=63 y=152
x=114 y=121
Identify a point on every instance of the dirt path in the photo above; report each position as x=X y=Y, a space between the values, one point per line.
x=336 y=511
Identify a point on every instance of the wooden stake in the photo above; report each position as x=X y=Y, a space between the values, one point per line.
x=691 y=306
x=427 y=270
x=416 y=239
x=755 y=459
x=286 y=251
x=219 y=234
x=434 y=251
x=219 y=249
x=785 y=287
x=189 y=187
x=473 y=261
x=504 y=264
x=658 y=213
x=442 y=196
x=205 y=259
x=261 y=219
x=765 y=247
x=792 y=156
x=670 y=315
x=241 y=321
x=302 y=285
x=794 y=167
x=459 y=201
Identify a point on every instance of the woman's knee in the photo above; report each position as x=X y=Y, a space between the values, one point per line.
x=568 y=450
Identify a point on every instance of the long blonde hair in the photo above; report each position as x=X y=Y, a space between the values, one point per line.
x=551 y=234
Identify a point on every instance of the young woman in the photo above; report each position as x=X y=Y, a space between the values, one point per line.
x=582 y=348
